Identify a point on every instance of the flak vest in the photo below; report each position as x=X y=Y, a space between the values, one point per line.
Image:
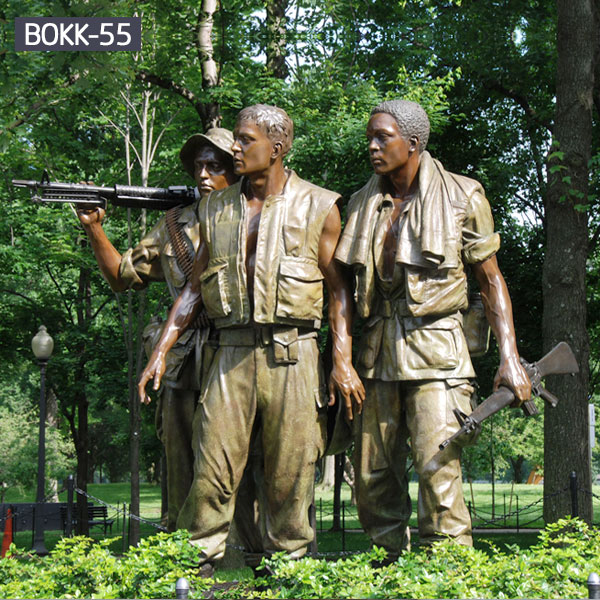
x=430 y=292
x=288 y=284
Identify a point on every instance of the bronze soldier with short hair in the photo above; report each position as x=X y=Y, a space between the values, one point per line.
x=412 y=231
x=267 y=245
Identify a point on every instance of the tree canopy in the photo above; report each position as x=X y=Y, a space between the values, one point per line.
x=485 y=72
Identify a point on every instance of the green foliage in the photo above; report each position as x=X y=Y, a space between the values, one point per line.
x=82 y=568
x=485 y=71
x=556 y=567
x=19 y=428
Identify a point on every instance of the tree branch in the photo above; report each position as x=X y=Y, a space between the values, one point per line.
x=163 y=130
x=170 y=85
x=531 y=206
x=521 y=101
x=37 y=106
x=97 y=311
x=62 y=296
x=13 y=293
x=593 y=243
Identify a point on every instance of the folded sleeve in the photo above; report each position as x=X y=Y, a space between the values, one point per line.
x=480 y=241
x=141 y=264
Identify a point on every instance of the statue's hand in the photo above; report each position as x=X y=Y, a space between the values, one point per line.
x=346 y=380
x=154 y=369
x=89 y=216
x=512 y=375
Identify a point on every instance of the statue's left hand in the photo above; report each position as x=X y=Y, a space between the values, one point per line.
x=512 y=375
x=154 y=370
x=346 y=380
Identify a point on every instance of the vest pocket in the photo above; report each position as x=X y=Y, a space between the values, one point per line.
x=433 y=346
x=299 y=289
x=215 y=289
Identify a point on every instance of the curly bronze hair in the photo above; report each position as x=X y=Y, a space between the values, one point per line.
x=410 y=117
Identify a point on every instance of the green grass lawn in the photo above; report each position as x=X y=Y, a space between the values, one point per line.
x=353 y=539
x=506 y=500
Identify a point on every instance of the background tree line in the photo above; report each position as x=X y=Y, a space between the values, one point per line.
x=513 y=91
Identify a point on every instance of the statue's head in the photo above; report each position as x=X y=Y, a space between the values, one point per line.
x=208 y=158
x=263 y=134
x=397 y=132
x=410 y=117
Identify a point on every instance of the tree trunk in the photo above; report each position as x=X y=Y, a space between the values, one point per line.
x=134 y=424
x=597 y=56
x=328 y=472
x=164 y=494
x=52 y=421
x=566 y=444
x=84 y=316
x=210 y=76
x=82 y=449
x=336 y=524
x=517 y=467
x=276 y=38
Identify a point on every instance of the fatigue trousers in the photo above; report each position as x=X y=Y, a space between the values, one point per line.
x=249 y=395
x=174 y=417
x=421 y=411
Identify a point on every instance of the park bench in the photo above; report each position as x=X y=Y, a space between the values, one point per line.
x=54 y=516
x=98 y=516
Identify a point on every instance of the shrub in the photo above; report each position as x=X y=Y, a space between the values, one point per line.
x=80 y=567
x=556 y=567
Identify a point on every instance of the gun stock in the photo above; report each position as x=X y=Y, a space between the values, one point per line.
x=559 y=361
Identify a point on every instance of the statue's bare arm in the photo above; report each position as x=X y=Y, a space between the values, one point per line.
x=181 y=316
x=343 y=376
x=498 y=310
x=107 y=256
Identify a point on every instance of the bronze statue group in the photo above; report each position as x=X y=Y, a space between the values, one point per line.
x=242 y=392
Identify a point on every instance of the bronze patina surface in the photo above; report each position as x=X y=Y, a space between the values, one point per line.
x=267 y=246
x=412 y=231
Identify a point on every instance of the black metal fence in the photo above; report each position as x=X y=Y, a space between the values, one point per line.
x=342 y=521
x=513 y=515
x=62 y=516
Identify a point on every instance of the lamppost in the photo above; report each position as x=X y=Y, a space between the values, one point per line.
x=42 y=346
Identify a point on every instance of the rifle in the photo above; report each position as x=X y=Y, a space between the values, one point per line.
x=559 y=361
x=131 y=196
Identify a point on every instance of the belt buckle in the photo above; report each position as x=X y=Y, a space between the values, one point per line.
x=264 y=336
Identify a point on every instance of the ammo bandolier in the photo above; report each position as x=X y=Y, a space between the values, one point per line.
x=265 y=378
x=413 y=355
x=155 y=259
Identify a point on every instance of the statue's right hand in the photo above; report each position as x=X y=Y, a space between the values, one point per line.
x=89 y=216
x=155 y=369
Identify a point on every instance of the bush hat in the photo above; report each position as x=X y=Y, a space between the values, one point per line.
x=218 y=137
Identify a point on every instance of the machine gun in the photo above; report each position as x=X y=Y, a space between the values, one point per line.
x=90 y=196
x=559 y=361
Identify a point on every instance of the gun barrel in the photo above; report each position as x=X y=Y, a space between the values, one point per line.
x=24 y=183
x=121 y=195
x=491 y=405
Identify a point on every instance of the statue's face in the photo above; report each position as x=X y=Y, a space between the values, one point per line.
x=252 y=149
x=388 y=150
x=212 y=170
